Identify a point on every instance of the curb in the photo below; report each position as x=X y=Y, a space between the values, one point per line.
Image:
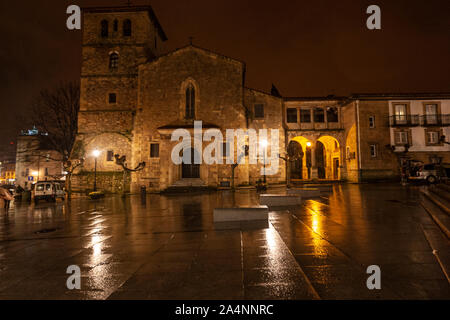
x=439 y=219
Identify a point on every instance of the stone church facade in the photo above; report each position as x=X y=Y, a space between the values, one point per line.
x=133 y=98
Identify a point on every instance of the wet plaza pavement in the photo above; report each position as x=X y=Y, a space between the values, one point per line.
x=169 y=248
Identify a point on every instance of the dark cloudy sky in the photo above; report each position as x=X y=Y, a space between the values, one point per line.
x=306 y=48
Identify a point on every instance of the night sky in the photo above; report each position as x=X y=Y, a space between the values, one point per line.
x=306 y=48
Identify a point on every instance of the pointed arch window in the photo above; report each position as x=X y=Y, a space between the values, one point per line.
x=127 y=28
x=190 y=102
x=104 y=29
x=116 y=25
x=113 y=61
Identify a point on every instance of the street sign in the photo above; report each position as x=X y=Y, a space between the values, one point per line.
x=31 y=178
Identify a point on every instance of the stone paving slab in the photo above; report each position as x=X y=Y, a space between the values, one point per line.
x=170 y=248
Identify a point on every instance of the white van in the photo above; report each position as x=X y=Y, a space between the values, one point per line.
x=48 y=190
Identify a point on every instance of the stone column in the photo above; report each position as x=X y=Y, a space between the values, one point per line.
x=314 y=170
x=343 y=163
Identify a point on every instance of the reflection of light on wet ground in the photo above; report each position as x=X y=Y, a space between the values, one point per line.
x=97 y=249
x=273 y=260
x=315 y=223
x=314 y=209
x=317 y=228
x=270 y=238
x=94 y=231
x=97 y=245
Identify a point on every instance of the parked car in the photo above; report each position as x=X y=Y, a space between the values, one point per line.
x=48 y=190
x=431 y=173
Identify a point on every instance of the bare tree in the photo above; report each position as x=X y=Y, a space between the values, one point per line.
x=294 y=153
x=55 y=113
x=122 y=161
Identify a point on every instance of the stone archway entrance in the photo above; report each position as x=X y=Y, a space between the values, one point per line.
x=191 y=170
x=296 y=153
x=322 y=157
x=299 y=150
x=321 y=160
x=328 y=155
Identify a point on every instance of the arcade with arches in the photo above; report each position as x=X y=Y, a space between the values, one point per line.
x=315 y=158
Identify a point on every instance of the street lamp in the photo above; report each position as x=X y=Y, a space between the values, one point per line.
x=96 y=154
x=264 y=144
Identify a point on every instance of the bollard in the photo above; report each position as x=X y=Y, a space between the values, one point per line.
x=143 y=194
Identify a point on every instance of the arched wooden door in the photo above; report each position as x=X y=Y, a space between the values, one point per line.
x=191 y=170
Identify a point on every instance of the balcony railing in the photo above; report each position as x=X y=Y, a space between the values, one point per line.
x=406 y=120
x=434 y=120
x=438 y=120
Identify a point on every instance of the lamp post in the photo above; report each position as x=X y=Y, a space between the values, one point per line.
x=309 y=161
x=96 y=154
x=264 y=144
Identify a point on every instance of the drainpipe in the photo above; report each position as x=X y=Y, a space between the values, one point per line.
x=359 y=142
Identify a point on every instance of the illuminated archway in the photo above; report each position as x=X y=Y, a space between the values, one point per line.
x=300 y=167
x=330 y=161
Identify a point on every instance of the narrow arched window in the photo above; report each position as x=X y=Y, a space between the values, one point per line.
x=105 y=29
x=113 y=61
x=116 y=25
x=127 y=28
x=190 y=102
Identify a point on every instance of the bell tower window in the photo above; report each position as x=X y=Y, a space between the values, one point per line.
x=127 y=28
x=113 y=61
x=104 y=29
x=190 y=102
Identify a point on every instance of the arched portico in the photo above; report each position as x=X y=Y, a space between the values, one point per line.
x=315 y=157
x=300 y=153
x=330 y=161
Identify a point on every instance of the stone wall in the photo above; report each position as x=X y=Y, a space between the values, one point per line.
x=144 y=30
x=385 y=164
x=97 y=122
x=106 y=125
x=273 y=119
x=351 y=142
x=218 y=83
x=109 y=182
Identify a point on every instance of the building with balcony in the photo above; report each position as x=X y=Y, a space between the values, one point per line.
x=133 y=97
x=420 y=124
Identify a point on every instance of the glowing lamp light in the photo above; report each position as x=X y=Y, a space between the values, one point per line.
x=96 y=153
x=264 y=143
x=309 y=144
x=35 y=173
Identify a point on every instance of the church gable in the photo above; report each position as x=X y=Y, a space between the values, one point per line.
x=192 y=84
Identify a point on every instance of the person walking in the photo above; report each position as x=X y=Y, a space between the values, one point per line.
x=7 y=198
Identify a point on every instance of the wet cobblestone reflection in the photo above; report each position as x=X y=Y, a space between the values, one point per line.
x=168 y=247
